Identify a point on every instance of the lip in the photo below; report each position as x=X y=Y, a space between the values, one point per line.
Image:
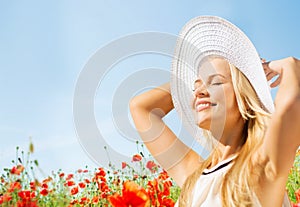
x=202 y=105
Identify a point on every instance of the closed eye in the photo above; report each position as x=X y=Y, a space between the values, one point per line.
x=217 y=83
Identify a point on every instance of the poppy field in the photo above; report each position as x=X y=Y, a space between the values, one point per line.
x=139 y=183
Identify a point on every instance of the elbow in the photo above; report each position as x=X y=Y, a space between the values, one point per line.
x=134 y=105
x=138 y=106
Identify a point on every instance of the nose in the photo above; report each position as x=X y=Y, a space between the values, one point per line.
x=201 y=91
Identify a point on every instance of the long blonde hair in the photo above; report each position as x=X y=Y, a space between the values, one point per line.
x=239 y=183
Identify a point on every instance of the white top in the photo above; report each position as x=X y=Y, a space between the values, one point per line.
x=207 y=188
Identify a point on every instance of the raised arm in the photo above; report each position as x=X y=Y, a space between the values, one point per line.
x=283 y=135
x=147 y=111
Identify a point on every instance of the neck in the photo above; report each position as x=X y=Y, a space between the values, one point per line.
x=230 y=143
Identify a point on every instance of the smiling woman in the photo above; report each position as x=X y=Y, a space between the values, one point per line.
x=232 y=108
x=209 y=93
x=241 y=137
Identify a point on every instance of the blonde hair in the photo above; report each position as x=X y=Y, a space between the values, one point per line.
x=239 y=183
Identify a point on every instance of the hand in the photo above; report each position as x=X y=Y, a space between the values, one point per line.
x=271 y=72
x=277 y=68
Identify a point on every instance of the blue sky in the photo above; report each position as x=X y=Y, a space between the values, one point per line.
x=44 y=45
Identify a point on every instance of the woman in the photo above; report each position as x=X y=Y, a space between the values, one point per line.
x=253 y=145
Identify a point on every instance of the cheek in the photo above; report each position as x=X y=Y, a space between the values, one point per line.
x=218 y=95
x=226 y=99
x=232 y=106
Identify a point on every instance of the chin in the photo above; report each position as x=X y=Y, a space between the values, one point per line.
x=204 y=125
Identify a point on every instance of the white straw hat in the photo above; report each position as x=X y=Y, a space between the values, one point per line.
x=212 y=36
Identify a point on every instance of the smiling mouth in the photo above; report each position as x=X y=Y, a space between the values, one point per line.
x=203 y=106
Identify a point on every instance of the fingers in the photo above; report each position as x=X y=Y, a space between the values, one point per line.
x=276 y=65
x=263 y=60
x=270 y=74
x=268 y=71
x=276 y=68
x=265 y=65
x=276 y=82
x=267 y=68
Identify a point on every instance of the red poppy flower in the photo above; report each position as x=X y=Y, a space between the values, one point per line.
x=95 y=200
x=74 y=190
x=101 y=172
x=103 y=188
x=124 y=164
x=26 y=195
x=132 y=195
x=44 y=185
x=117 y=200
x=167 y=202
x=69 y=177
x=84 y=200
x=5 y=198
x=87 y=181
x=81 y=185
x=73 y=202
x=136 y=158
x=159 y=190
x=163 y=175
x=151 y=166
x=17 y=170
x=15 y=186
x=297 y=194
x=32 y=185
x=70 y=183
x=44 y=192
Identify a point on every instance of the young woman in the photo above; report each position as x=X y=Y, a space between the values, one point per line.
x=254 y=145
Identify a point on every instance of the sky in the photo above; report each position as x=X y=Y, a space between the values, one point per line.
x=45 y=46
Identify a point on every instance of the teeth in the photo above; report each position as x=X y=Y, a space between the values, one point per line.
x=201 y=105
x=205 y=105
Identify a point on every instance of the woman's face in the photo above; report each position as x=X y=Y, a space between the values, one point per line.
x=214 y=101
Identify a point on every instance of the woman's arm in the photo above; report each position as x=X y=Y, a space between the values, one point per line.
x=147 y=111
x=283 y=135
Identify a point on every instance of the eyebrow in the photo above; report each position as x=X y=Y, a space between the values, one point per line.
x=214 y=75
x=210 y=77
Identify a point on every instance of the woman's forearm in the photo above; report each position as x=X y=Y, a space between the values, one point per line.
x=289 y=89
x=157 y=101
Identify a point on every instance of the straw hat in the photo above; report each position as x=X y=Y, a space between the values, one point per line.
x=206 y=36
